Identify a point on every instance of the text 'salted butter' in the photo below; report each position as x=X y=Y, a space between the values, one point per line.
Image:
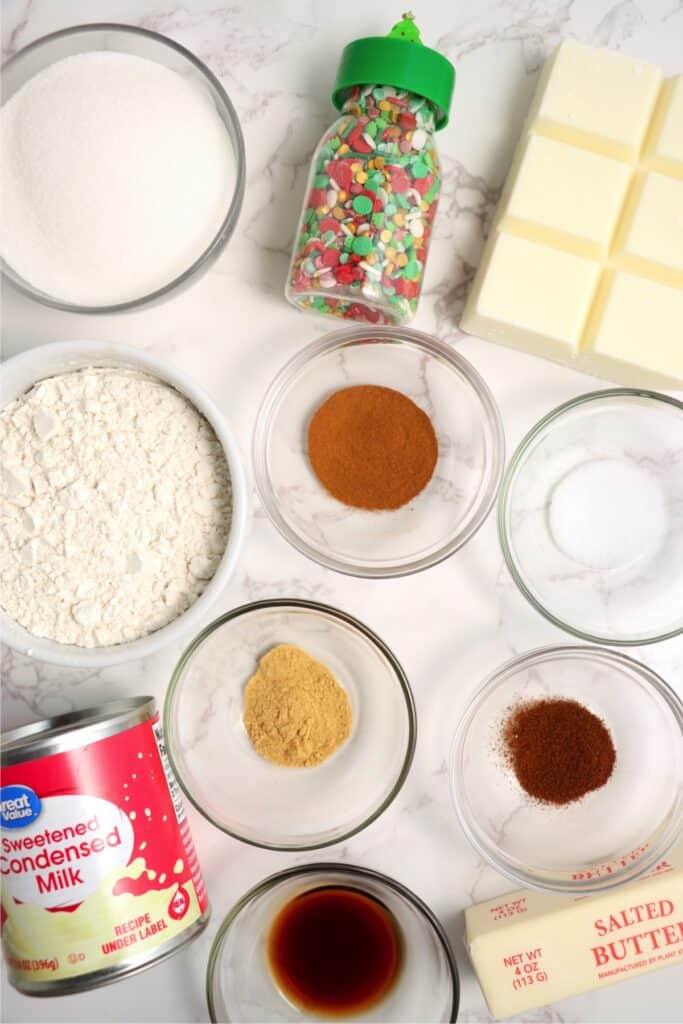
x=530 y=948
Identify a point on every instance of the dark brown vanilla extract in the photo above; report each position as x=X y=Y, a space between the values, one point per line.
x=334 y=951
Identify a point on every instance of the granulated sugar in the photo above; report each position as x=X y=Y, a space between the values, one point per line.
x=115 y=506
x=116 y=174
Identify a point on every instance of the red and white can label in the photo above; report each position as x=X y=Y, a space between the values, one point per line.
x=98 y=865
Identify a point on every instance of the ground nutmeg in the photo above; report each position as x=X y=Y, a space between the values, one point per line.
x=372 y=447
x=558 y=749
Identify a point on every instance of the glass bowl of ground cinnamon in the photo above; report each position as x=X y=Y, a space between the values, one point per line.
x=289 y=724
x=567 y=769
x=378 y=452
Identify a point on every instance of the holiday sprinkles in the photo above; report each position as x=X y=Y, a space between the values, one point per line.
x=363 y=237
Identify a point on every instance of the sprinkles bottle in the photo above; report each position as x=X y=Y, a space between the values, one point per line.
x=363 y=236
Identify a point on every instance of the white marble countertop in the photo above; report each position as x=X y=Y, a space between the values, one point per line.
x=233 y=330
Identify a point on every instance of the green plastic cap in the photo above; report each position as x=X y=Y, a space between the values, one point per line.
x=400 y=60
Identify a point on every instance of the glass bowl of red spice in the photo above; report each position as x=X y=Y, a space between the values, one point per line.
x=378 y=451
x=567 y=769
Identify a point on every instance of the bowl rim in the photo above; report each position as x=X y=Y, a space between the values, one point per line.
x=504 y=497
x=112 y=353
x=348 y=620
x=350 y=337
x=227 y=225
x=339 y=868
x=503 y=865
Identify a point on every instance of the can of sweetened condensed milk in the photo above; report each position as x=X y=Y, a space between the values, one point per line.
x=99 y=874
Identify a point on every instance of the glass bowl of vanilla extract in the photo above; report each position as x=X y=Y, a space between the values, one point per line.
x=331 y=942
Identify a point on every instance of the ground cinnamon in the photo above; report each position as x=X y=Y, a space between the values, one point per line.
x=558 y=749
x=372 y=447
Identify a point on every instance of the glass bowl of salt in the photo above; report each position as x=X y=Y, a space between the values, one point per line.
x=590 y=517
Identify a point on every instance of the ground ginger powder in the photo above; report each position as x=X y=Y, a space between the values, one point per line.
x=295 y=712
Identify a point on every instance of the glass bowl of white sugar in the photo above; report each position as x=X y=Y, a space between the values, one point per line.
x=124 y=503
x=590 y=516
x=122 y=168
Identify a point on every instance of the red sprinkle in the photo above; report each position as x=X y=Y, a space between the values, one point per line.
x=423 y=184
x=399 y=179
x=344 y=273
x=330 y=258
x=340 y=171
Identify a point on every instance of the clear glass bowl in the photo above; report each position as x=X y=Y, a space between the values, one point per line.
x=239 y=984
x=454 y=503
x=590 y=516
x=260 y=802
x=613 y=834
x=140 y=43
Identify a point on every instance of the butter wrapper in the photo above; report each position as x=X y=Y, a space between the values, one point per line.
x=530 y=948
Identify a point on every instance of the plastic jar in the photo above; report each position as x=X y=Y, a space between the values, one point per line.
x=364 y=231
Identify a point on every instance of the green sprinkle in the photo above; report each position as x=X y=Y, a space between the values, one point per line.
x=362 y=204
x=412 y=270
x=321 y=181
x=420 y=169
x=378 y=219
x=344 y=257
x=362 y=245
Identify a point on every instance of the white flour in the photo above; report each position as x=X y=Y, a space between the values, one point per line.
x=116 y=174
x=115 y=506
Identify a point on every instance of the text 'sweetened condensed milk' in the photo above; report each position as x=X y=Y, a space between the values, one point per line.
x=99 y=873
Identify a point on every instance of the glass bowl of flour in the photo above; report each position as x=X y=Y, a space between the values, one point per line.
x=121 y=167
x=124 y=503
x=590 y=516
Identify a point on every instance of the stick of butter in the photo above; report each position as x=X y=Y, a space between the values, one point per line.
x=530 y=948
x=584 y=262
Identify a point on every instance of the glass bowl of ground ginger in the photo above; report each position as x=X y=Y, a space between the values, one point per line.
x=567 y=769
x=378 y=451
x=289 y=724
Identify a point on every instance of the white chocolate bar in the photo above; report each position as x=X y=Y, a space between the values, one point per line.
x=584 y=262
x=530 y=948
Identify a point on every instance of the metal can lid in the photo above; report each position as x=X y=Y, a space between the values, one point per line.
x=74 y=729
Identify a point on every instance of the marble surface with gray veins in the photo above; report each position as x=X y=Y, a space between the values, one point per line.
x=450 y=626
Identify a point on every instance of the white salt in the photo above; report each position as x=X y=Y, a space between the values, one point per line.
x=608 y=514
x=116 y=174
